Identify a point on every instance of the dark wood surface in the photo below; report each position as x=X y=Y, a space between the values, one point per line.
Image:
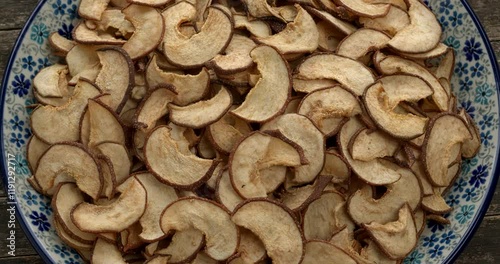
x=484 y=247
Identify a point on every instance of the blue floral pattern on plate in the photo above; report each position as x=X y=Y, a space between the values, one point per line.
x=474 y=83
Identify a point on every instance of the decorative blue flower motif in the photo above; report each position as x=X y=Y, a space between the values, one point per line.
x=426 y=2
x=70 y=261
x=434 y=226
x=459 y=185
x=486 y=122
x=483 y=92
x=456 y=19
x=446 y=237
x=477 y=70
x=17 y=139
x=453 y=199
x=45 y=207
x=43 y=62
x=39 y=33
x=59 y=8
x=40 y=220
x=462 y=69
x=479 y=175
x=469 y=108
x=66 y=30
x=429 y=241
x=414 y=258
x=486 y=137
x=467 y=164
x=21 y=85
x=16 y=123
x=62 y=251
x=445 y=7
x=472 y=49
x=469 y=194
x=452 y=42
x=72 y=11
x=27 y=133
x=28 y=63
x=436 y=251
x=444 y=23
x=465 y=84
x=30 y=198
x=466 y=213
x=21 y=165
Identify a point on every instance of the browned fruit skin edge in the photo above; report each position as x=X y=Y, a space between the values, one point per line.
x=138 y=125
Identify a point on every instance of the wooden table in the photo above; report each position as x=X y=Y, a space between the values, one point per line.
x=484 y=247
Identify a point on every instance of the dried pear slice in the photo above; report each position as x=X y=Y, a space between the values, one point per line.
x=383 y=97
x=170 y=165
x=149 y=29
x=213 y=37
x=276 y=228
x=317 y=251
x=236 y=57
x=422 y=34
x=67 y=116
x=301 y=130
x=69 y=162
x=367 y=145
x=329 y=108
x=444 y=131
x=34 y=150
x=104 y=125
x=361 y=42
x=116 y=216
x=269 y=96
x=221 y=234
x=299 y=36
x=153 y=107
x=396 y=239
x=256 y=152
x=338 y=68
x=202 y=113
x=106 y=252
x=184 y=246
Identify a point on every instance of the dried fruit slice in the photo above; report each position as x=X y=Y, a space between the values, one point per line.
x=202 y=113
x=276 y=228
x=445 y=130
x=299 y=198
x=300 y=130
x=93 y=10
x=373 y=254
x=116 y=76
x=308 y=86
x=226 y=132
x=375 y=172
x=60 y=44
x=106 y=252
x=116 y=216
x=435 y=204
x=221 y=234
x=184 y=246
x=344 y=27
x=396 y=239
x=153 y=107
x=149 y=30
x=224 y=191
x=269 y=96
x=422 y=34
x=83 y=34
x=189 y=88
x=65 y=198
x=104 y=125
x=367 y=145
x=69 y=162
x=383 y=97
x=250 y=250
x=34 y=150
x=329 y=38
x=394 y=21
x=51 y=81
x=203 y=258
x=170 y=164
x=470 y=147
x=257 y=28
x=236 y=57
x=329 y=108
x=191 y=52
x=361 y=42
x=158 y=259
x=67 y=116
x=317 y=251
x=299 y=36
x=338 y=68
x=363 y=208
x=365 y=8
x=66 y=238
x=446 y=65
x=257 y=152
x=336 y=166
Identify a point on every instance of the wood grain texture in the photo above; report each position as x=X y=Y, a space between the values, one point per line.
x=483 y=247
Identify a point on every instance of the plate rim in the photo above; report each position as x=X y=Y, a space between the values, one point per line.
x=469 y=234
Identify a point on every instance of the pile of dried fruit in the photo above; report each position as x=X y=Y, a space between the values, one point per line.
x=306 y=131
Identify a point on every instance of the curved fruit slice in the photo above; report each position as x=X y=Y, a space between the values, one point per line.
x=270 y=94
x=226 y=132
x=153 y=106
x=106 y=252
x=116 y=216
x=184 y=246
x=236 y=57
x=225 y=193
x=170 y=164
x=368 y=145
x=364 y=8
x=104 y=125
x=51 y=81
x=69 y=162
x=221 y=234
x=275 y=226
x=34 y=150
x=361 y=42
x=317 y=251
